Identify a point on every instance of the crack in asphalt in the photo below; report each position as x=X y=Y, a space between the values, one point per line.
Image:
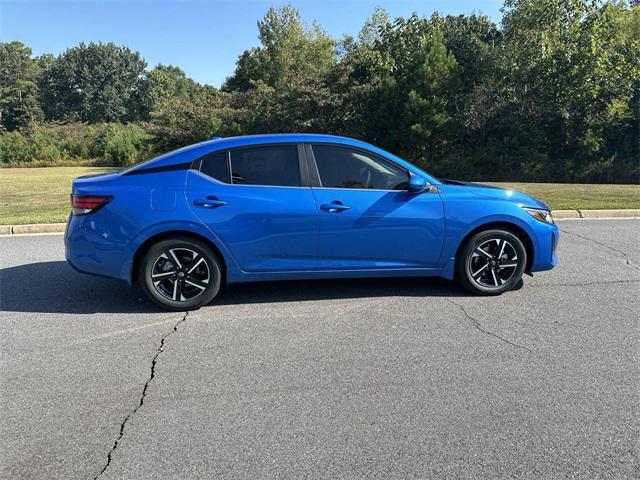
x=625 y=255
x=144 y=393
x=478 y=326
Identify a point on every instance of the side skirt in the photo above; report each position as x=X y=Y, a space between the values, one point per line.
x=329 y=274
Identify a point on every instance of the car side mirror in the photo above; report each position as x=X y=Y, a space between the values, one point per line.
x=417 y=184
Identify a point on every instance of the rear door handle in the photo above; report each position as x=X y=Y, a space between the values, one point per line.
x=334 y=207
x=209 y=202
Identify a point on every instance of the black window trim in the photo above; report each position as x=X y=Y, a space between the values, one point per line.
x=317 y=182
x=163 y=168
x=302 y=164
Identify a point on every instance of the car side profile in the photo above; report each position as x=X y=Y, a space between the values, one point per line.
x=298 y=206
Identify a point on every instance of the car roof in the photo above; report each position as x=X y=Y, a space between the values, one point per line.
x=283 y=138
x=189 y=152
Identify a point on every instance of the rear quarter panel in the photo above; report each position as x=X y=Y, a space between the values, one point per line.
x=104 y=242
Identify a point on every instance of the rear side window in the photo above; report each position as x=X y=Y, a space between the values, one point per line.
x=216 y=165
x=344 y=167
x=270 y=165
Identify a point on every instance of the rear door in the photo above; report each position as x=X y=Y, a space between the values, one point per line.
x=367 y=218
x=255 y=200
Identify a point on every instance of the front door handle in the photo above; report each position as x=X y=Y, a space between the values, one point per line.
x=209 y=202
x=334 y=207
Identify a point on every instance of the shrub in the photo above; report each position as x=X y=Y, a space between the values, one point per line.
x=118 y=144
x=15 y=148
x=108 y=144
x=71 y=139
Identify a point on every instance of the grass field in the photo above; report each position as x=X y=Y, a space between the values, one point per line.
x=37 y=195
x=569 y=196
x=41 y=195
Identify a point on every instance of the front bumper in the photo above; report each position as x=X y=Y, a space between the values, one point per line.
x=546 y=254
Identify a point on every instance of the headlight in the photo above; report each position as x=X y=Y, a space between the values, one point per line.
x=540 y=214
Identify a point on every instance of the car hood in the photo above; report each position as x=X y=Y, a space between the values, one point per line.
x=489 y=191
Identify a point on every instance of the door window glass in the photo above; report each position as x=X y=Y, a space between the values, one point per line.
x=341 y=167
x=216 y=166
x=271 y=165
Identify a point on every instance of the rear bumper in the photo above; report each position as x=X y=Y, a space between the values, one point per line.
x=90 y=249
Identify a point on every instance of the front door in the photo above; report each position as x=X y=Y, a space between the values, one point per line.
x=368 y=219
x=253 y=200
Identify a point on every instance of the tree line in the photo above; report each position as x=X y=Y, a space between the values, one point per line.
x=550 y=94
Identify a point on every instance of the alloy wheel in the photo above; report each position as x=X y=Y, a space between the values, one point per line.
x=493 y=263
x=180 y=274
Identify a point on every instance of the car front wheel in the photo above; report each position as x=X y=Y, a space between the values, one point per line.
x=491 y=262
x=180 y=273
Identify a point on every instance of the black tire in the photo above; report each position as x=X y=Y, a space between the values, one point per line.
x=180 y=273
x=491 y=262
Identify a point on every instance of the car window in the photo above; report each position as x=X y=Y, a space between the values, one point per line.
x=271 y=165
x=216 y=166
x=343 y=167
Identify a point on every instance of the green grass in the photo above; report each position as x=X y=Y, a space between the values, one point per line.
x=38 y=195
x=41 y=195
x=569 y=196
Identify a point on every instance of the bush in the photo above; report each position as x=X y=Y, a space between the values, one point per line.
x=44 y=145
x=70 y=139
x=107 y=144
x=16 y=148
x=119 y=145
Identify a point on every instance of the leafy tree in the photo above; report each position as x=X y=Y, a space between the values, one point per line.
x=289 y=49
x=154 y=91
x=179 y=121
x=160 y=85
x=406 y=75
x=570 y=72
x=371 y=31
x=183 y=86
x=19 y=105
x=92 y=83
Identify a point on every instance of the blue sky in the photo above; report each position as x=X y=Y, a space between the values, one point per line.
x=204 y=38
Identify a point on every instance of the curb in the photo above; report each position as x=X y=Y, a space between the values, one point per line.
x=591 y=214
x=557 y=214
x=33 y=228
x=565 y=214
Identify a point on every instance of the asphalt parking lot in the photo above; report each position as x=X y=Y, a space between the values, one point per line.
x=394 y=378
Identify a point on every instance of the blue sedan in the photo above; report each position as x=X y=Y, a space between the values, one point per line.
x=297 y=206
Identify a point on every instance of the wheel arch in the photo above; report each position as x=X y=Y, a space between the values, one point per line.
x=518 y=231
x=144 y=246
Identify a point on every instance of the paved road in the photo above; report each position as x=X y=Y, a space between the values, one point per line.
x=347 y=379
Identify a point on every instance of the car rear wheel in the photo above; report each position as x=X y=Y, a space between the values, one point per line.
x=491 y=262
x=180 y=273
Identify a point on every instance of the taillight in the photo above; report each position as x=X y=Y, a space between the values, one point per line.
x=85 y=204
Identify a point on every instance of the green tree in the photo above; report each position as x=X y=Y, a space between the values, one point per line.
x=155 y=89
x=182 y=121
x=183 y=86
x=160 y=85
x=405 y=78
x=285 y=79
x=92 y=82
x=289 y=49
x=569 y=68
x=19 y=105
